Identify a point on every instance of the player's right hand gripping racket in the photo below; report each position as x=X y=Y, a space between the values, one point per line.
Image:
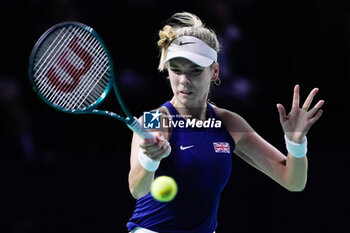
x=72 y=71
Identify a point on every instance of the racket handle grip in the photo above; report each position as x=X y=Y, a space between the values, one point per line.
x=137 y=128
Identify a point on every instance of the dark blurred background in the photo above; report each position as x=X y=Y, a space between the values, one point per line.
x=69 y=173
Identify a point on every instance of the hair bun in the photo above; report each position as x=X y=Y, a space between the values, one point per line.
x=166 y=36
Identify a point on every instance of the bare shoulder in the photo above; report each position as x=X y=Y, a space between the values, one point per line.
x=233 y=119
x=234 y=123
x=224 y=113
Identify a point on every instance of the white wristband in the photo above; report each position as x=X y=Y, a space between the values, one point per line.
x=295 y=149
x=148 y=163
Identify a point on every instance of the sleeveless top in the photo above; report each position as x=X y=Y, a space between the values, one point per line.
x=200 y=163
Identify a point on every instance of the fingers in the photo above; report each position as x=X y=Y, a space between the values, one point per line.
x=315 y=113
x=155 y=149
x=296 y=97
x=315 y=108
x=158 y=151
x=309 y=99
x=300 y=120
x=316 y=117
x=282 y=112
x=149 y=142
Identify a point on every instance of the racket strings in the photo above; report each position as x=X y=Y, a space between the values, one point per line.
x=93 y=81
x=48 y=52
x=78 y=53
x=69 y=66
x=92 y=90
x=86 y=83
x=56 y=48
x=62 y=69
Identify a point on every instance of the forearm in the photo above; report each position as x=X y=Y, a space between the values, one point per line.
x=296 y=173
x=288 y=171
x=144 y=161
x=139 y=178
x=140 y=181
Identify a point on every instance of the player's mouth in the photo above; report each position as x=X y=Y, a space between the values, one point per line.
x=186 y=93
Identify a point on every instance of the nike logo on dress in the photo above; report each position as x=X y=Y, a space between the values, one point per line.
x=186 y=147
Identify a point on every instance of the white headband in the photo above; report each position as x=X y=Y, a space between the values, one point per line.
x=193 y=49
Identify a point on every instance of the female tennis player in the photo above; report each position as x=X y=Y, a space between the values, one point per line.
x=200 y=158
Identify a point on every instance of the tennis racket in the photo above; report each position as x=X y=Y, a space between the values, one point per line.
x=71 y=69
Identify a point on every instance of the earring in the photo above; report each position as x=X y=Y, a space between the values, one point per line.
x=217 y=82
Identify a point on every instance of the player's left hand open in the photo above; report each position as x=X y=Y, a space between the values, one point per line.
x=299 y=120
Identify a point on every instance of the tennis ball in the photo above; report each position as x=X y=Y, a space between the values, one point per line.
x=164 y=189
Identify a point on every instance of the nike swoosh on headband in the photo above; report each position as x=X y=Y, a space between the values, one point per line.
x=184 y=43
x=196 y=50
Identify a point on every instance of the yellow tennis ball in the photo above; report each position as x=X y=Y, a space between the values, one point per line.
x=164 y=189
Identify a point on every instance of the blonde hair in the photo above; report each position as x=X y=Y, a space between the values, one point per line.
x=185 y=24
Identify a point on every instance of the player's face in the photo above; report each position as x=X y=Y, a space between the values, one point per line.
x=190 y=83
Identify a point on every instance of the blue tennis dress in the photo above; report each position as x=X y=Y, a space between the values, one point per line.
x=200 y=163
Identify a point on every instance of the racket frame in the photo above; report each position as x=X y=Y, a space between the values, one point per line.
x=111 y=82
x=131 y=121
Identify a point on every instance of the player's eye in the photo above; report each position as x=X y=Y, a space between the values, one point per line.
x=196 y=71
x=192 y=71
x=176 y=70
